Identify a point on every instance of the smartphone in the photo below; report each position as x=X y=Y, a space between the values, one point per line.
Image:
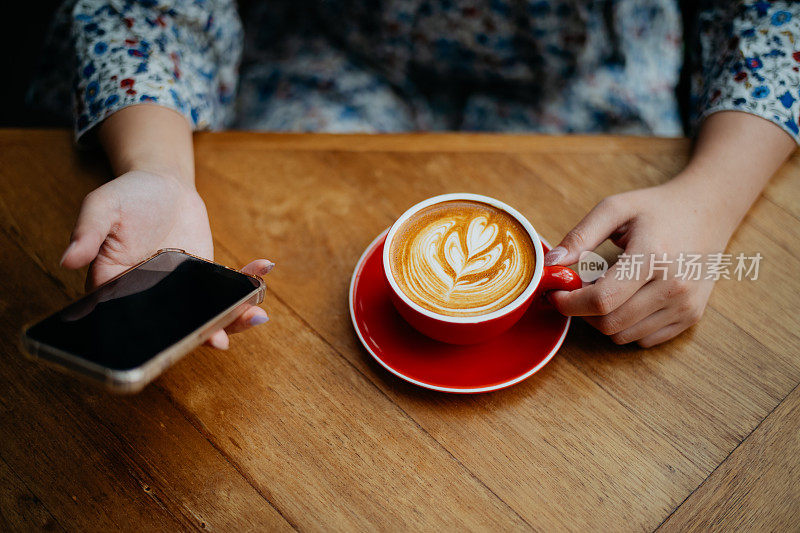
x=129 y=330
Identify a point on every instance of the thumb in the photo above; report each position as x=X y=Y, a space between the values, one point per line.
x=97 y=216
x=596 y=226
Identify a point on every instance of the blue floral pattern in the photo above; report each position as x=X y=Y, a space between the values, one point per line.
x=182 y=55
x=554 y=66
x=759 y=69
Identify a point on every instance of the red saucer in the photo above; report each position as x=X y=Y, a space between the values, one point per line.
x=408 y=354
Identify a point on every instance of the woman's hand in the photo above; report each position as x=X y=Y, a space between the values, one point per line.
x=648 y=309
x=695 y=213
x=133 y=216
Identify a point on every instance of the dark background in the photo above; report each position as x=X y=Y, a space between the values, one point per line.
x=22 y=31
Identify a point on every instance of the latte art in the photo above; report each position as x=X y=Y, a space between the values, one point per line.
x=462 y=258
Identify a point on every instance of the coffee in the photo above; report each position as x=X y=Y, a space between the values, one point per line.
x=462 y=258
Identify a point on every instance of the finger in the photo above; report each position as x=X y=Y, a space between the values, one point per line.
x=219 y=339
x=95 y=220
x=253 y=316
x=646 y=326
x=596 y=226
x=259 y=267
x=601 y=298
x=649 y=299
x=663 y=335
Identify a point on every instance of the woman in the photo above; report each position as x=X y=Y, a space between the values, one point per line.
x=146 y=74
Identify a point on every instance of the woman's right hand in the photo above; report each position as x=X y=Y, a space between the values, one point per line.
x=131 y=217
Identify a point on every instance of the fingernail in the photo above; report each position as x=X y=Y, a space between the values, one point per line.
x=257 y=320
x=267 y=269
x=66 y=253
x=555 y=255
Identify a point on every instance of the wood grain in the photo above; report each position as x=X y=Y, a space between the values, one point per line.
x=757 y=487
x=19 y=507
x=98 y=461
x=338 y=451
x=295 y=426
x=706 y=409
x=736 y=378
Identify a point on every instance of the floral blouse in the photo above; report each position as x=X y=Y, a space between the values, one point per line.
x=553 y=66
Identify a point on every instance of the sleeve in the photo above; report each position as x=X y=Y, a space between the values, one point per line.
x=181 y=54
x=749 y=61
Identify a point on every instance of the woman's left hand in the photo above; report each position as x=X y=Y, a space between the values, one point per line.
x=655 y=306
x=134 y=215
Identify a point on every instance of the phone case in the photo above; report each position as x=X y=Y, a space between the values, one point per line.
x=133 y=380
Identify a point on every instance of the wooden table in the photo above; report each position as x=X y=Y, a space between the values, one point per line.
x=296 y=427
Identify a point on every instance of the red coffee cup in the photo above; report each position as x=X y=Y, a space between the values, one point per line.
x=474 y=329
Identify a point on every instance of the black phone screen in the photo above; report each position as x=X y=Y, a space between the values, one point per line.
x=131 y=319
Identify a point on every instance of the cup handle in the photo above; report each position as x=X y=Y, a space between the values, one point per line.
x=559 y=278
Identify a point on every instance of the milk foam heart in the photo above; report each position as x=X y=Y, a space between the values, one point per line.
x=462 y=258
